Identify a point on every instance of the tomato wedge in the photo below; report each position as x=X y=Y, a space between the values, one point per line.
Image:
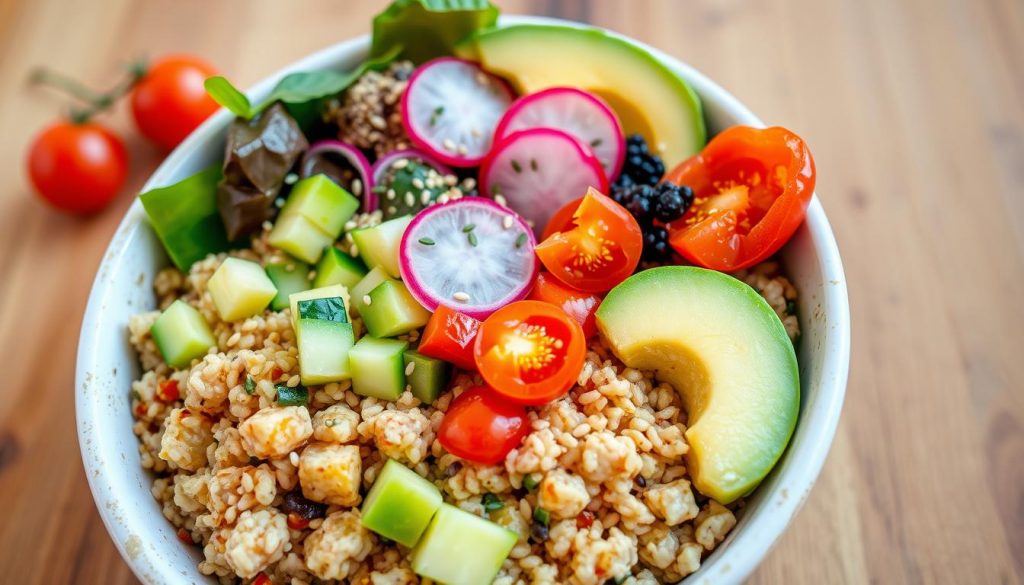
x=752 y=188
x=577 y=304
x=530 y=352
x=481 y=426
x=601 y=250
x=561 y=221
x=449 y=336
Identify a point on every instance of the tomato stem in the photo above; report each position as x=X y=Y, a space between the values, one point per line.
x=96 y=102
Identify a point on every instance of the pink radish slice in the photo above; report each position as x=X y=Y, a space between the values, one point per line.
x=582 y=114
x=539 y=170
x=380 y=168
x=451 y=107
x=344 y=164
x=471 y=254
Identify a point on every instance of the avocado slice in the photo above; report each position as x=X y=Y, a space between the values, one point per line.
x=647 y=96
x=460 y=548
x=725 y=350
x=400 y=504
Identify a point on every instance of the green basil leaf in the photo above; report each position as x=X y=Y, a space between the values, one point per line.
x=328 y=309
x=288 y=396
x=227 y=95
x=429 y=28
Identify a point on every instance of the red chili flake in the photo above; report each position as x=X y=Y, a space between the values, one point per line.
x=296 y=522
x=276 y=373
x=141 y=409
x=184 y=536
x=584 y=520
x=186 y=413
x=167 y=391
x=262 y=579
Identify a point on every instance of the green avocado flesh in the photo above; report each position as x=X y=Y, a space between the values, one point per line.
x=460 y=548
x=181 y=334
x=725 y=350
x=646 y=95
x=400 y=504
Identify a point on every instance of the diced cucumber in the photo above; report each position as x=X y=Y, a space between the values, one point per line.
x=400 y=504
x=326 y=292
x=182 y=334
x=240 y=288
x=328 y=309
x=289 y=277
x=429 y=376
x=378 y=245
x=298 y=236
x=460 y=548
x=185 y=217
x=323 y=202
x=337 y=267
x=369 y=282
x=377 y=367
x=324 y=348
x=393 y=310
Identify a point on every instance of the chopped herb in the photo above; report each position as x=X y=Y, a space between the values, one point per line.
x=330 y=422
x=516 y=166
x=472 y=239
x=495 y=190
x=468 y=228
x=530 y=482
x=436 y=115
x=426 y=241
x=596 y=142
x=379 y=189
x=250 y=385
x=521 y=240
x=533 y=164
x=288 y=396
x=541 y=516
x=492 y=502
x=135 y=394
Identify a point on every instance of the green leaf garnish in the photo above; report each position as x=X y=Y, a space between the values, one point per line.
x=429 y=28
x=250 y=385
x=227 y=95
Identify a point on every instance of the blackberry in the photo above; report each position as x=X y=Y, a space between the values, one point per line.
x=641 y=166
x=656 y=248
x=671 y=202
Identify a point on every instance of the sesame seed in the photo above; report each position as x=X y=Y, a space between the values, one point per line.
x=450 y=180
x=279 y=202
x=350 y=225
x=418 y=183
x=391 y=195
x=469 y=183
x=367 y=300
x=443 y=198
x=400 y=163
x=461 y=297
x=482 y=79
x=354 y=251
x=475 y=132
x=425 y=197
x=521 y=240
x=507 y=222
x=430 y=183
x=409 y=368
x=294 y=458
x=290 y=178
x=463 y=150
x=357 y=187
x=410 y=199
x=378 y=122
x=500 y=200
x=311 y=275
x=448 y=144
x=392 y=210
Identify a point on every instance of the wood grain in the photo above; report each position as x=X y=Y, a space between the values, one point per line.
x=915 y=112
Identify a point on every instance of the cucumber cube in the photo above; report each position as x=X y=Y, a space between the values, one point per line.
x=317 y=293
x=182 y=334
x=377 y=366
x=393 y=310
x=323 y=202
x=400 y=504
x=298 y=236
x=289 y=277
x=378 y=245
x=324 y=350
x=428 y=377
x=460 y=548
x=337 y=267
x=363 y=288
x=240 y=289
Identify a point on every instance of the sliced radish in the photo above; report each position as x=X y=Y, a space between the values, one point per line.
x=384 y=163
x=580 y=113
x=471 y=254
x=451 y=107
x=344 y=164
x=538 y=171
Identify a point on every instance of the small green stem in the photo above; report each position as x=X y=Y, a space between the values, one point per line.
x=73 y=87
x=95 y=102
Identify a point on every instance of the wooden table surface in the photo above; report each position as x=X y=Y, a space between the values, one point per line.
x=915 y=112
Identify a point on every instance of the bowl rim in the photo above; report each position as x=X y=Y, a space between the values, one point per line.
x=750 y=545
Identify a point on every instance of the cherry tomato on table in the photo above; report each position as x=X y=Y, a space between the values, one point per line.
x=601 y=249
x=449 y=336
x=78 y=168
x=752 y=187
x=481 y=426
x=530 y=352
x=169 y=102
x=577 y=304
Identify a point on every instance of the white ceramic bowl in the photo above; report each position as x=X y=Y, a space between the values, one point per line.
x=107 y=364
